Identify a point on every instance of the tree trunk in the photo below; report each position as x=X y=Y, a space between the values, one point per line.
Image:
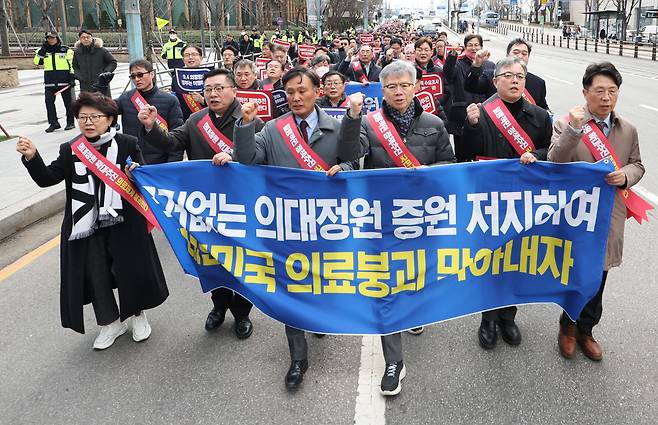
x=238 y=12
x=186 y=12
x=169 y=11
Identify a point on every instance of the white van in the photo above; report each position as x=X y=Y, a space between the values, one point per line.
x=649 y=33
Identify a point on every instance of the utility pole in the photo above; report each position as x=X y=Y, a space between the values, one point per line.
x=62 y=21
x=4 y=31
x=134 y=30
x=318 y=14
x=637 y=22
x=365 y=16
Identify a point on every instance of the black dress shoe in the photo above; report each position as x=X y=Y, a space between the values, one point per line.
x=243 y=328
x=487 y=334
x=53 y=127
x=510 y=332
x=295 y=374
x=214 y=320
x=70 y=126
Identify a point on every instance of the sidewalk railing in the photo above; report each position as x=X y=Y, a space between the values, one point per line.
x=537 y=35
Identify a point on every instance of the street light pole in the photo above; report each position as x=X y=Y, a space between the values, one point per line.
x=318 y=14
x=365 y=16
x=134 y=30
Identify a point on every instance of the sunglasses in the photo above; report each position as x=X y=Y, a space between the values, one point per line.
x=137 y=75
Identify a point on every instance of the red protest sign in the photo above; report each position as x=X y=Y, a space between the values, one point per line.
x=306 y=51
x=262 y=62
x=366 y=38
x=426 y=101
x=262 y=74
x=280 y=42
x=376 y=51
x=261 y=98
x=432 y=83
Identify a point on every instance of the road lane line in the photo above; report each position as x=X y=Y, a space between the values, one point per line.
x=28 y=258
x=370 y=406
x=558 y=79
x=649 y=107
x=651 y=197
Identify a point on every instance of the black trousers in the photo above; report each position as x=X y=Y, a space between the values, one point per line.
x=100 y=279
x=50 y=105
x=463 y=152
x=505 y=314
x=224 y=299
x=591 y=314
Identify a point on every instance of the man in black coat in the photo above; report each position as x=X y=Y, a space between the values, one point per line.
x=481 y=82
x=487 y=140
x=224 y=110
x=143 y=76
x=455 y=71
x=362 y=70
x=91 y=60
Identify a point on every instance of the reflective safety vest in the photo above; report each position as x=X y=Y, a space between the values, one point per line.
x=258 y=42
x=57 y=66
x=173 y=49
x=300 y=38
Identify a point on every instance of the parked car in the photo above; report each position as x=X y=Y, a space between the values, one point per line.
x=649 y=33
x=429 y=30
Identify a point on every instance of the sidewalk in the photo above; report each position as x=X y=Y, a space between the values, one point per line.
x=23 y=112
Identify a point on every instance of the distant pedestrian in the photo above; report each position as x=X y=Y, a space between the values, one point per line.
x=57 y=61
x=602 y=34
x=93 y=64
x=105 y=242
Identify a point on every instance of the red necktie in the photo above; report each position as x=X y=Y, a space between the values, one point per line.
x=303 y=126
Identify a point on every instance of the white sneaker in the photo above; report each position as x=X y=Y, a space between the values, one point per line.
x=109 y=333
x=141 y=328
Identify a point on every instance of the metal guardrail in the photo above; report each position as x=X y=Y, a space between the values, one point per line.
x=624 y=49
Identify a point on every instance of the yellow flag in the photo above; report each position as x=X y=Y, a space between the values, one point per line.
x=161 y=22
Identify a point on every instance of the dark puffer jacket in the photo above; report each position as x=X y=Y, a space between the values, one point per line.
x=168 y=108
x=90 y=62
x=427 y=140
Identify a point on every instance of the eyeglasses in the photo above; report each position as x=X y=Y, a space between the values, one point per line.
x=511 y=75
x=473 y=46
x=93 y=118
x=333 y=83
x=190 y=55
x=137 y=75
x=218 y=89
x=404 y=86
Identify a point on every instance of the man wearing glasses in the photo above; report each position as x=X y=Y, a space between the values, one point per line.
x=420 y=140
x=333 y=83
x=485 y=132
x=204 y=134
x=147 y=93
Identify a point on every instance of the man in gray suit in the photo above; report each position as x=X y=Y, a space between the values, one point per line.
x=317 y=134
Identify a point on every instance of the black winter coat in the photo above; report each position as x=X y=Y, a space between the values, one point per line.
x=89 y=62
x=482 y=83
x=346 y=69
x=484 y=139
x=168 y=108
x=138 y=274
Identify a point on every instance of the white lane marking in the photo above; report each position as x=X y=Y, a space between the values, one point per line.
x=558 y=79
x=649 y=107
x=370 y=406
x=651 y=197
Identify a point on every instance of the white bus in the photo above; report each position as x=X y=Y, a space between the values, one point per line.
x=489 y=18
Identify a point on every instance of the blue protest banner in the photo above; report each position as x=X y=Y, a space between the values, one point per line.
x=190 y=79
x=372 y=91
x=337 y=113
x=381 y=251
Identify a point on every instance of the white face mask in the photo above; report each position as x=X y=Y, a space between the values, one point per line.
x=172 y=37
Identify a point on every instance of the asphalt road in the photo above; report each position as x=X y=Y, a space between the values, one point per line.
x=185 y=375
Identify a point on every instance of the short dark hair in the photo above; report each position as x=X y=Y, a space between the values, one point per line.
x=191 y=46
x=300 y=71
x=279 y=48
x=269 y=45
x=519 y=41
x=602 y=68
x=471 y=37
x=84 y=31
x=220 y=71
x=331 y=74
x=231 y=48
x=442 y=33
x=421 y=41
x=97 y=101
x=141 y=63
x=395 y=40
x=320 y=48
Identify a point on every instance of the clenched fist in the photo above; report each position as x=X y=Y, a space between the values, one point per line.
x=481 y=57
x=25 y=147
x=576 y=117
x=249 y=111
x=473 y=113
x=147 y=115
x=356 y=104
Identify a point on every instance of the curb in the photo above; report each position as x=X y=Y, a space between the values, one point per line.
x=39 y=209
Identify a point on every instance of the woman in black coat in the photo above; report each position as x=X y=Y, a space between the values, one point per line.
x=246 y=46
x=105 y=242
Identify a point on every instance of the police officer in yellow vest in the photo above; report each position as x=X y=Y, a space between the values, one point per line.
x=57 y=61
x=172 y=51
x=300 y=37
x=258 y=40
